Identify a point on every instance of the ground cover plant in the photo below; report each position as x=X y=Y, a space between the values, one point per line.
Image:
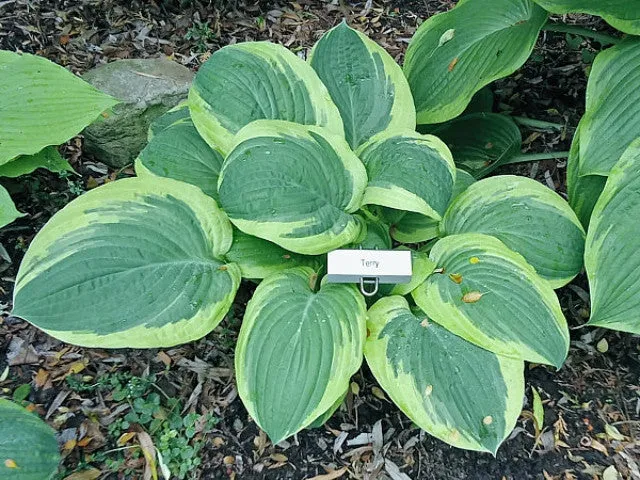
x=482 y=270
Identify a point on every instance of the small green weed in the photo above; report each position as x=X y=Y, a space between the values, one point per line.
x=175 y=436
x=201 y=34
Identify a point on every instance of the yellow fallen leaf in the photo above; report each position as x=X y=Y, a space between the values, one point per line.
x=602 y=345
x=125 y=438
x=331 y=475
x=378 y=393
x=278 y=457
x=70 y=445
x=77 y=367
x=149 y=452
x=355 y=388
x=10 y=463
x=471 y=297
x=453 y=64
x=41 y=378
x=90 y=474
x=456 y=278
x=474 y=260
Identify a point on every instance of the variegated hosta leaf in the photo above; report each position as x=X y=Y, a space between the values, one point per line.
x=365 y=83
x=28 y=446
x=294 y=185
x=613 y=105
x=527 y=217
x=422 y=267
x=257 y=80
x=455 y=54
x=35 y=94
x=411 y=227
x=621 y=14
x=481 y=142
x=490 y=296
x=258 y=258
x=297 y=350
x=408 y=171
x=611 y=254
x=456 y=391
x=583 y=191
x=179 y=113
x=8 y=211
x=136 y=263
x=322 y=419
x=179 y=152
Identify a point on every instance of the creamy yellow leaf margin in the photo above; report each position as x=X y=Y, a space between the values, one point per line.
x=282 y=60
x=86 y=210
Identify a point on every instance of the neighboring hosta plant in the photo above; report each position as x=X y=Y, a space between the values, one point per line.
x=41 y=104
x=28 y=447
x=613 y=105
x=274 y=162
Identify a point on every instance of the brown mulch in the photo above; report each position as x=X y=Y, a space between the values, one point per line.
x=591 y=406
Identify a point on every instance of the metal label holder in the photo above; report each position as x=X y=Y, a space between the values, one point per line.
x=369 y=268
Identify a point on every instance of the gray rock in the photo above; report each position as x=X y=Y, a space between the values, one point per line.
x=147 y=88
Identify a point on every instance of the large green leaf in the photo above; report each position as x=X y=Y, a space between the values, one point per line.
x=408 y=171
x=365 y=83
x=48 y=157
x=460 y=393
x=421 y=266
x=257 y=80
x=258 y=258
x=583 y=191
x=136 y=263
x=527 y=217
x=8 y=211
x=42 y=104
x=481 y=142
x=612 y=117
x=622 y=14
x=179 y=152
x=179 y=113
x=490 y=296
x=611 y=253
x=297 y=350
x=411 y=227
x=294 y=185
x=455 y=54
x=28 y=446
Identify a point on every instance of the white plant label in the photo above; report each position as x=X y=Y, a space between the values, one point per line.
x=351 y=266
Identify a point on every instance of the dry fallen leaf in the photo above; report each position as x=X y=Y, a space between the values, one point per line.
x=471 y=297
x=149 y=452
x=125 y=438
x=453 y=64
x=331 y=475
x=41 y=378
x=278 y=457
x=90 y=474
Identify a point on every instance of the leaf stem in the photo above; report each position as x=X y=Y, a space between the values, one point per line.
x=534 y=157
x=539 y=124
x=603 y=38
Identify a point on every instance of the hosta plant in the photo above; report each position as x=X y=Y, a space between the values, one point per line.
x=28 y=447
x=275 y=161
x=35 y=94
